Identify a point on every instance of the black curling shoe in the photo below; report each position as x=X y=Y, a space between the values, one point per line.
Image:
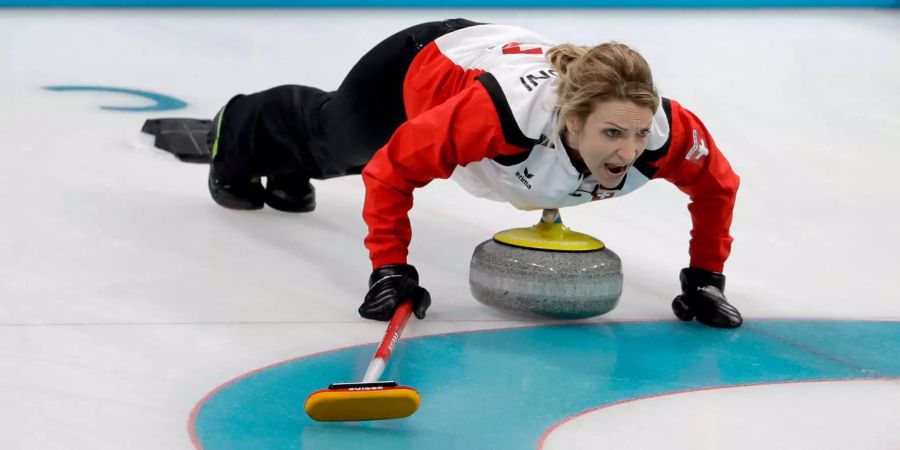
x=246 y=195
x=290 y=193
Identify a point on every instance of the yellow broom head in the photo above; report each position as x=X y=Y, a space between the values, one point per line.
x=348 y=402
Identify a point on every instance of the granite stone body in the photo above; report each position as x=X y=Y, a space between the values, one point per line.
x=553 y=284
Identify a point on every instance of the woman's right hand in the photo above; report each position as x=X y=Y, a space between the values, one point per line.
x=389 y=286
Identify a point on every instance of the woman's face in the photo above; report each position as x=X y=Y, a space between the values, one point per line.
x=610 y=139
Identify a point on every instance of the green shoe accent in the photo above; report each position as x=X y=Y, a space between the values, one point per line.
x=215 y=147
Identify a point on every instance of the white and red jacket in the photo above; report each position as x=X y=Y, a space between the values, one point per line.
x=480 y=103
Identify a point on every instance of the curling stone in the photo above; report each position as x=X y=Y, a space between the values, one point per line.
x=546 y=270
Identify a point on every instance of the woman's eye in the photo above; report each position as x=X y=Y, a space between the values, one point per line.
x=644 y=133
x=612 y=132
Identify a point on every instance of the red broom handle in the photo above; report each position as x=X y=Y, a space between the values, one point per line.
x=394 y=330
x=391 y=336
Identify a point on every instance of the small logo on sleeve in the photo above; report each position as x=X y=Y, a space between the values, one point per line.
x=699 y=150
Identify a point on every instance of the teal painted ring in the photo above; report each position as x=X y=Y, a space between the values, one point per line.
x=525 y=381
x=160 y=102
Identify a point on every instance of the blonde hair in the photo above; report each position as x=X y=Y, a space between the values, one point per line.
x=590 y=75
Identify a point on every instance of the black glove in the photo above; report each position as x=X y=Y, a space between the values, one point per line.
x=391 y=285
x=703 y=297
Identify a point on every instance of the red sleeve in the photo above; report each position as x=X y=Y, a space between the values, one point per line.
x=464 y=129
x=697 y=167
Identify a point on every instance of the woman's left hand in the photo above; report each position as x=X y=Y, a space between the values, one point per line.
x=703 y=298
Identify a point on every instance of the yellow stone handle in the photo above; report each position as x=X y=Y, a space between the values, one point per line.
x=549 y=234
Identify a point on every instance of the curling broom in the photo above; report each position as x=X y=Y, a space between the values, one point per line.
x=369 y=399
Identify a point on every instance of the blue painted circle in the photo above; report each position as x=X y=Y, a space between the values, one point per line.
x=501 y=389
x=161 y=102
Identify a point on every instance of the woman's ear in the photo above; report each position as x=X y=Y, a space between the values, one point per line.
x=570 y=133
x=572 y=125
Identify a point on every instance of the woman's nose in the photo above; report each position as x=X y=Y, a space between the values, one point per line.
x=630 y=150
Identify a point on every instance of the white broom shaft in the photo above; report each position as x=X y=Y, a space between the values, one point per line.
x=376 y=368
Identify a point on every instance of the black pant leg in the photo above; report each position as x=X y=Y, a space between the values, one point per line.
x=295 y=129
x=362 y=115
x=268 y=132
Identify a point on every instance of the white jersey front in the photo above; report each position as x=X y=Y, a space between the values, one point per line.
x=546 y=178
x=524 y=87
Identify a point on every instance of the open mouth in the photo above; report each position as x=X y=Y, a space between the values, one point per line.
x=615 y=169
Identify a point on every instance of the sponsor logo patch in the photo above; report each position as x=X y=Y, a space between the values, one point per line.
x=532 y=80
x=524 y=176
x=699 y=150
